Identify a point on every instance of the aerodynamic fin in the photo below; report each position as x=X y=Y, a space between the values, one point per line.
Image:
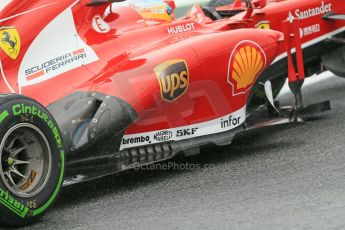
x=333 y=16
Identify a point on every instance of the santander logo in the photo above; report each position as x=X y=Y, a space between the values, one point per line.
x=311 y=12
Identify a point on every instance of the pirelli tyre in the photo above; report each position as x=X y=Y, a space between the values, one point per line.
x=32 y=160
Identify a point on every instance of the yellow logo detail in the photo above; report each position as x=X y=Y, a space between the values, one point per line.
x=263 y=25
x=10 y=42
x=173 y=77
x=247 y=62
x=156 y=13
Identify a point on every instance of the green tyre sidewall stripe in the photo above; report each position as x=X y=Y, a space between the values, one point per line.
x=57 y=190
x=25 y=215
x=4 y=115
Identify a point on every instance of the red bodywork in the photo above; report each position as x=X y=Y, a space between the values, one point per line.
x=208 y=67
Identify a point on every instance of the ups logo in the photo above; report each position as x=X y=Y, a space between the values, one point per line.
x=173 y=77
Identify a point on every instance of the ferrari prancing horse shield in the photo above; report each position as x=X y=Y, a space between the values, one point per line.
x=10 y=41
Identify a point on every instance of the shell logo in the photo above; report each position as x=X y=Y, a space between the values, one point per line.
x=246 y=63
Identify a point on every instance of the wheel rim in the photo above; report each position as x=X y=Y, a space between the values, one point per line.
x=25 y=160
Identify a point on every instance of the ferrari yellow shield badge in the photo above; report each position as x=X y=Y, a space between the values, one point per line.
x=10 y=41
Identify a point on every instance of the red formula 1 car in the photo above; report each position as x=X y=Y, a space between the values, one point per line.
x=96 y=88
x=321 y=29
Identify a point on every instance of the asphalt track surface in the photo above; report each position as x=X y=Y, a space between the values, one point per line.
x=287 y=179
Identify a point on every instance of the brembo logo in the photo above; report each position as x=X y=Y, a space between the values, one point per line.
x=181 y=28
x=311 y=12
x=136 y=140
x=173 y=77
x=247 y=61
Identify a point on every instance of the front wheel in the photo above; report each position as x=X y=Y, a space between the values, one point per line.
x=32 y=160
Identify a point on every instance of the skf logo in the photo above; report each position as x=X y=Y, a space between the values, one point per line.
x=263 y=25
x=173 y=77
x=247 y=61
x=10 y=41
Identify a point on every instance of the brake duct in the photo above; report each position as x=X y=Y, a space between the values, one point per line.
x=85 y=118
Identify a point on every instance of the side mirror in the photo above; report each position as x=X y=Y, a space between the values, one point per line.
x=99 y=2
x=259 y=4
x=253 y=4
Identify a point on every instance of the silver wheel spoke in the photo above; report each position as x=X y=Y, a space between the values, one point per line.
x=14 y=170
x=25 y=155
x=16 y=151
x=19 y=162
x=8 y=174
x=10 y=146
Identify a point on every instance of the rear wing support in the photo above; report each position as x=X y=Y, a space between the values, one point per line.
x=296 y=72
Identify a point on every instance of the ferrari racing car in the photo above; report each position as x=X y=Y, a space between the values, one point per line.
x=93 y=87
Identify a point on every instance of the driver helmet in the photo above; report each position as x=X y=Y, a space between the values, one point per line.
x=155 y=11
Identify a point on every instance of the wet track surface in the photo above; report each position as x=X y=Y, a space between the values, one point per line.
x=287 y=179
